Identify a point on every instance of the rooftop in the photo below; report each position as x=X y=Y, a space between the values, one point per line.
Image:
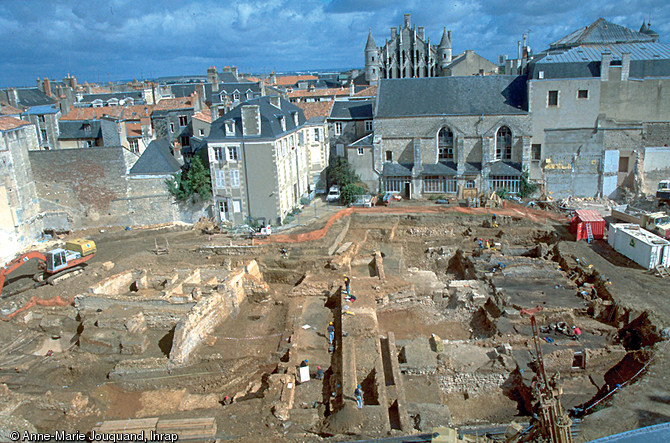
x=9 y=123
x=157 y=159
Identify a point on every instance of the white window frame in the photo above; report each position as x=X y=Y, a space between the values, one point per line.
x=201 y=132
x=368 y=125
x=338 y=128
x=317 y=134
x=220 y=178
x=237 y=206
x=183 y=121
x=134 y=145
x=558 y=98
x=582 y=98
x=219 y=153
x=232 y=154
x=171 y=127
x=234 y=178
x=236 y=96
x=361 y=151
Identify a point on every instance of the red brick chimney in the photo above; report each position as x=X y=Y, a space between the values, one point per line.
x=47 y=86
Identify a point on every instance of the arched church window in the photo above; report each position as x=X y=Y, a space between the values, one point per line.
x=445 y=144
x=504 y=143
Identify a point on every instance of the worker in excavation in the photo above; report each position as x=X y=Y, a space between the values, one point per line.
x=359 y=396
x=346 y=283
x=576 y=332
x=331 y=333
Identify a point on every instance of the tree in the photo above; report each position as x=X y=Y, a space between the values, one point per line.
x=339 y=172
x=526 y=187
x=350 y=192
x=194 y=180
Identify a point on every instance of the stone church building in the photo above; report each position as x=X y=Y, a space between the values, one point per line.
x=407 y=54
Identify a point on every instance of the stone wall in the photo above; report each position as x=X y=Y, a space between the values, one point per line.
x=92 y=189
x=210 y=311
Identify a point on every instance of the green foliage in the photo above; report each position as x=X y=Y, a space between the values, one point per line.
x=185 y=185
x=526 y=187
x=339 y=172
x=350 y=192
x=502 y=193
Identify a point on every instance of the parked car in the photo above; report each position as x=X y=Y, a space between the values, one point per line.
x=333 y=194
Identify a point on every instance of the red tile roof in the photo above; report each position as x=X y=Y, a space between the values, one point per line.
x=133 y=129
x=92 y=113
x=370 y=91
x=205 y=115
x=326 y=92
x=316 y=109
x=6 y=109
x=288 y=80
x=174 y=103
x=7 y=123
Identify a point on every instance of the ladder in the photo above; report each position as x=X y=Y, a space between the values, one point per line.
x=662 y=271
x=589 y=233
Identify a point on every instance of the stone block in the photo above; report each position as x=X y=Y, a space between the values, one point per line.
x=108 y=265
x=51 y=321
x=134 y=343
x=136 y=323
x=100 y=341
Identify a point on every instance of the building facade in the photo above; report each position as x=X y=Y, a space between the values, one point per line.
x=431 y=139
x=258 y=161
x=408 y=53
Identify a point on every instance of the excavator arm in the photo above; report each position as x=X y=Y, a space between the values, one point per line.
x=17 y=263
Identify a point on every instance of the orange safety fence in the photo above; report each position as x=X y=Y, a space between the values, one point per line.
x=56 y=301
x=509 y=209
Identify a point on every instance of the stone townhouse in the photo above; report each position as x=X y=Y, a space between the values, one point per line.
x=349 y=121
x=38 y=108
x=442 y=135
x=599 y=99
x=258 y=160
x=20 y=224
x=317 y=141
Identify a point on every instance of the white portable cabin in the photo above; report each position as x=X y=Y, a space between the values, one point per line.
x=644 y=248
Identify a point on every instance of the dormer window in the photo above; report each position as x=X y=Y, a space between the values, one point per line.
x=87 y=127
x=229 y=127
x=282 y=122
x=236 y=96
x=295 y=118
x=249 y=95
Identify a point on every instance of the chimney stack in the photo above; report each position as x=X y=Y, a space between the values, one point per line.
x=273 y=78
x=394 y=31
x=422 y=32
x=605 y=66
x=407 y=21
x=47 y=86
x=13 y=97
x=352 y=88
x=625 y=66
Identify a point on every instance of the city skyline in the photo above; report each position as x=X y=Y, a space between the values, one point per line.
x=122 y=40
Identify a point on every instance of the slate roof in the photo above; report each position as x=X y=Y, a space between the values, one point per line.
x=447 y=168
x=9 y=123
x=352 y=110
x=32 y=97
x=75 y=129
x=601 y=32
x=467 y=95
x=157 y=159
x=270 y=125
x=397 y=169
x=501 y=168
x=364 y=141
x=41 y=110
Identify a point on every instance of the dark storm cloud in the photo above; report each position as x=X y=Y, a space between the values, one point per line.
x=122 y=39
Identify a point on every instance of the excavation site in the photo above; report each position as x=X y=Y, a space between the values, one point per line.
x=374 y=323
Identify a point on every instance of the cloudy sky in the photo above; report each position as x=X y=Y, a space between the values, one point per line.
x=124 y=39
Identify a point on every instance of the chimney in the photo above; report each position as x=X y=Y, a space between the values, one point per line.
x=518 y=49
x=407 y=20
x=422 y=32
x=47 y=86
x=625 y=66
x=605 y=66
x=251 y=120
x=261 y=86
x=352 y=88
x=394 y=31
x=13 y=97
x=233 y=69
x=200 y=103
x=275 y=101
x=213 y=78
x=273 y=78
